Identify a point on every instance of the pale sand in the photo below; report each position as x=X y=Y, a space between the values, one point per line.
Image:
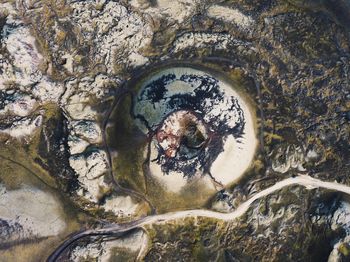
x=173 y=181
x=238 y=154
x=230 y=15
x=237 y=157
x=38 y=212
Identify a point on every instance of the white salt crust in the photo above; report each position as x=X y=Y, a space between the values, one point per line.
x=237 y=156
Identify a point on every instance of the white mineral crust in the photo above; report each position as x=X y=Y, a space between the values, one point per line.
x=118 y=34
x=103 y=252
x=38 y=212
x=238 y=153
x=172 y=10
x=231 y=16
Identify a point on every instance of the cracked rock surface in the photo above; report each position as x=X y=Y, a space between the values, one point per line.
x=73 y=157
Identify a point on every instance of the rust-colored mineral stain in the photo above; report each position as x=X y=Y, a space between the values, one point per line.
x=181 y=128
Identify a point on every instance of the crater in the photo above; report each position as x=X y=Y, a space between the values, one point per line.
x=180 y=134
x=198 y=126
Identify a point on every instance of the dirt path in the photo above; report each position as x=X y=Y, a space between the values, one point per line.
x=120 y=229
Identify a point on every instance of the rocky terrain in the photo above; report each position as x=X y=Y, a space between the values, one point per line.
x=72 y=155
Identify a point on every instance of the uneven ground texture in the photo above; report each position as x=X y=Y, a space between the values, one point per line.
x=71 y=157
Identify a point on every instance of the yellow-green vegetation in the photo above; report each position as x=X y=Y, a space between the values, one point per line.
x=122 y=254
x=191 y=197
x=199 y=239
x=130 y=164
x=127 y=140
x=130 y=168
x=344 y=249
x=34 y=251
x=25 y=154
x=21 y=165
x=14 y=174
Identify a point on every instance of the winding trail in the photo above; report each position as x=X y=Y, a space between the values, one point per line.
x=120 y=229
x=121 y=92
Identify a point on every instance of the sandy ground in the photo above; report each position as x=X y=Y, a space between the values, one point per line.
x=238 y=154
x=38 y=212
